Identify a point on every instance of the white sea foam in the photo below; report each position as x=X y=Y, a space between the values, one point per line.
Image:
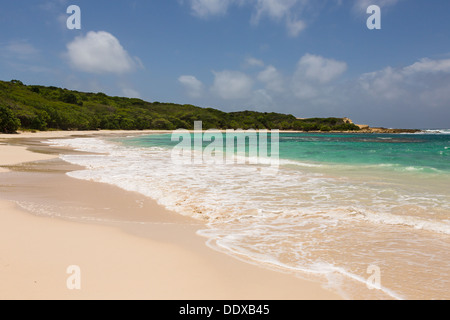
x=437 y=131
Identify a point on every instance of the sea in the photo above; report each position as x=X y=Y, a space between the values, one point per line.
x=367 y=215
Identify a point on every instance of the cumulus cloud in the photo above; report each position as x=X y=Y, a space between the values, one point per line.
x=416 y=95
x=99 y=52
x=319 y=69
x=315 y=79
x=426 y=80
x=232 y=85
x=272 y=79
x=193 y=86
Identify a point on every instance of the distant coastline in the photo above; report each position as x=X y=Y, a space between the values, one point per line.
x=391 y=131
x=71 y=133
x=39 y=108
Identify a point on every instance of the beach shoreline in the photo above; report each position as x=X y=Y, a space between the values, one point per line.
x=158 y=257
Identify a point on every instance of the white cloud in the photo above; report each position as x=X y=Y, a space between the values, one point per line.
x=272 y=78
x=262 y=100
x=282 y=10
x=315 y=80
x=232 y=85
x=275 y=9
x=99 y=52
x=295 y=27
x=286 y=11
x=429 y=66
x=420 y=81
x=383 y=84
x=253 y=62
x=304 y=90
x=417 y=95
x=437 y=97
x=316 y=68
x=207 y=8
x=292 y=13
x=193 y=86
x=131 y=93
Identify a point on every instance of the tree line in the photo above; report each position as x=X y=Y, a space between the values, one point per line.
x=43 y=108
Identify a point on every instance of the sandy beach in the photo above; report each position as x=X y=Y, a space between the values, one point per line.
x=158 y=257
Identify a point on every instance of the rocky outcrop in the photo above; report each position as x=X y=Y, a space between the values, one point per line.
x=367 y=129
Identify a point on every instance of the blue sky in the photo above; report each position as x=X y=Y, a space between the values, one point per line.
x=310 y=58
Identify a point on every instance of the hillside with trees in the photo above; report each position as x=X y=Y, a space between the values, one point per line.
x=31 y=107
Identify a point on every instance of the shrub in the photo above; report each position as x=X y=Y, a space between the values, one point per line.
x=69 y=97
x=325 y=128
x=8 y=121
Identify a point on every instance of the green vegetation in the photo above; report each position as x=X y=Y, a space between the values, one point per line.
x=51 y=108
x=8 y=121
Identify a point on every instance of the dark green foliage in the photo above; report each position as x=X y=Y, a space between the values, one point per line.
x=35 y=89
x=17 y=82
x=43 y=108
x=69 y=97
x=324 y=124
x=8 y=121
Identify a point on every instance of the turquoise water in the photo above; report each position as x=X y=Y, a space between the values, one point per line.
x=338 y=204
x=429 y=153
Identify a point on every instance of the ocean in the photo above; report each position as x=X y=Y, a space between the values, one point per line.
x=368 y=215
